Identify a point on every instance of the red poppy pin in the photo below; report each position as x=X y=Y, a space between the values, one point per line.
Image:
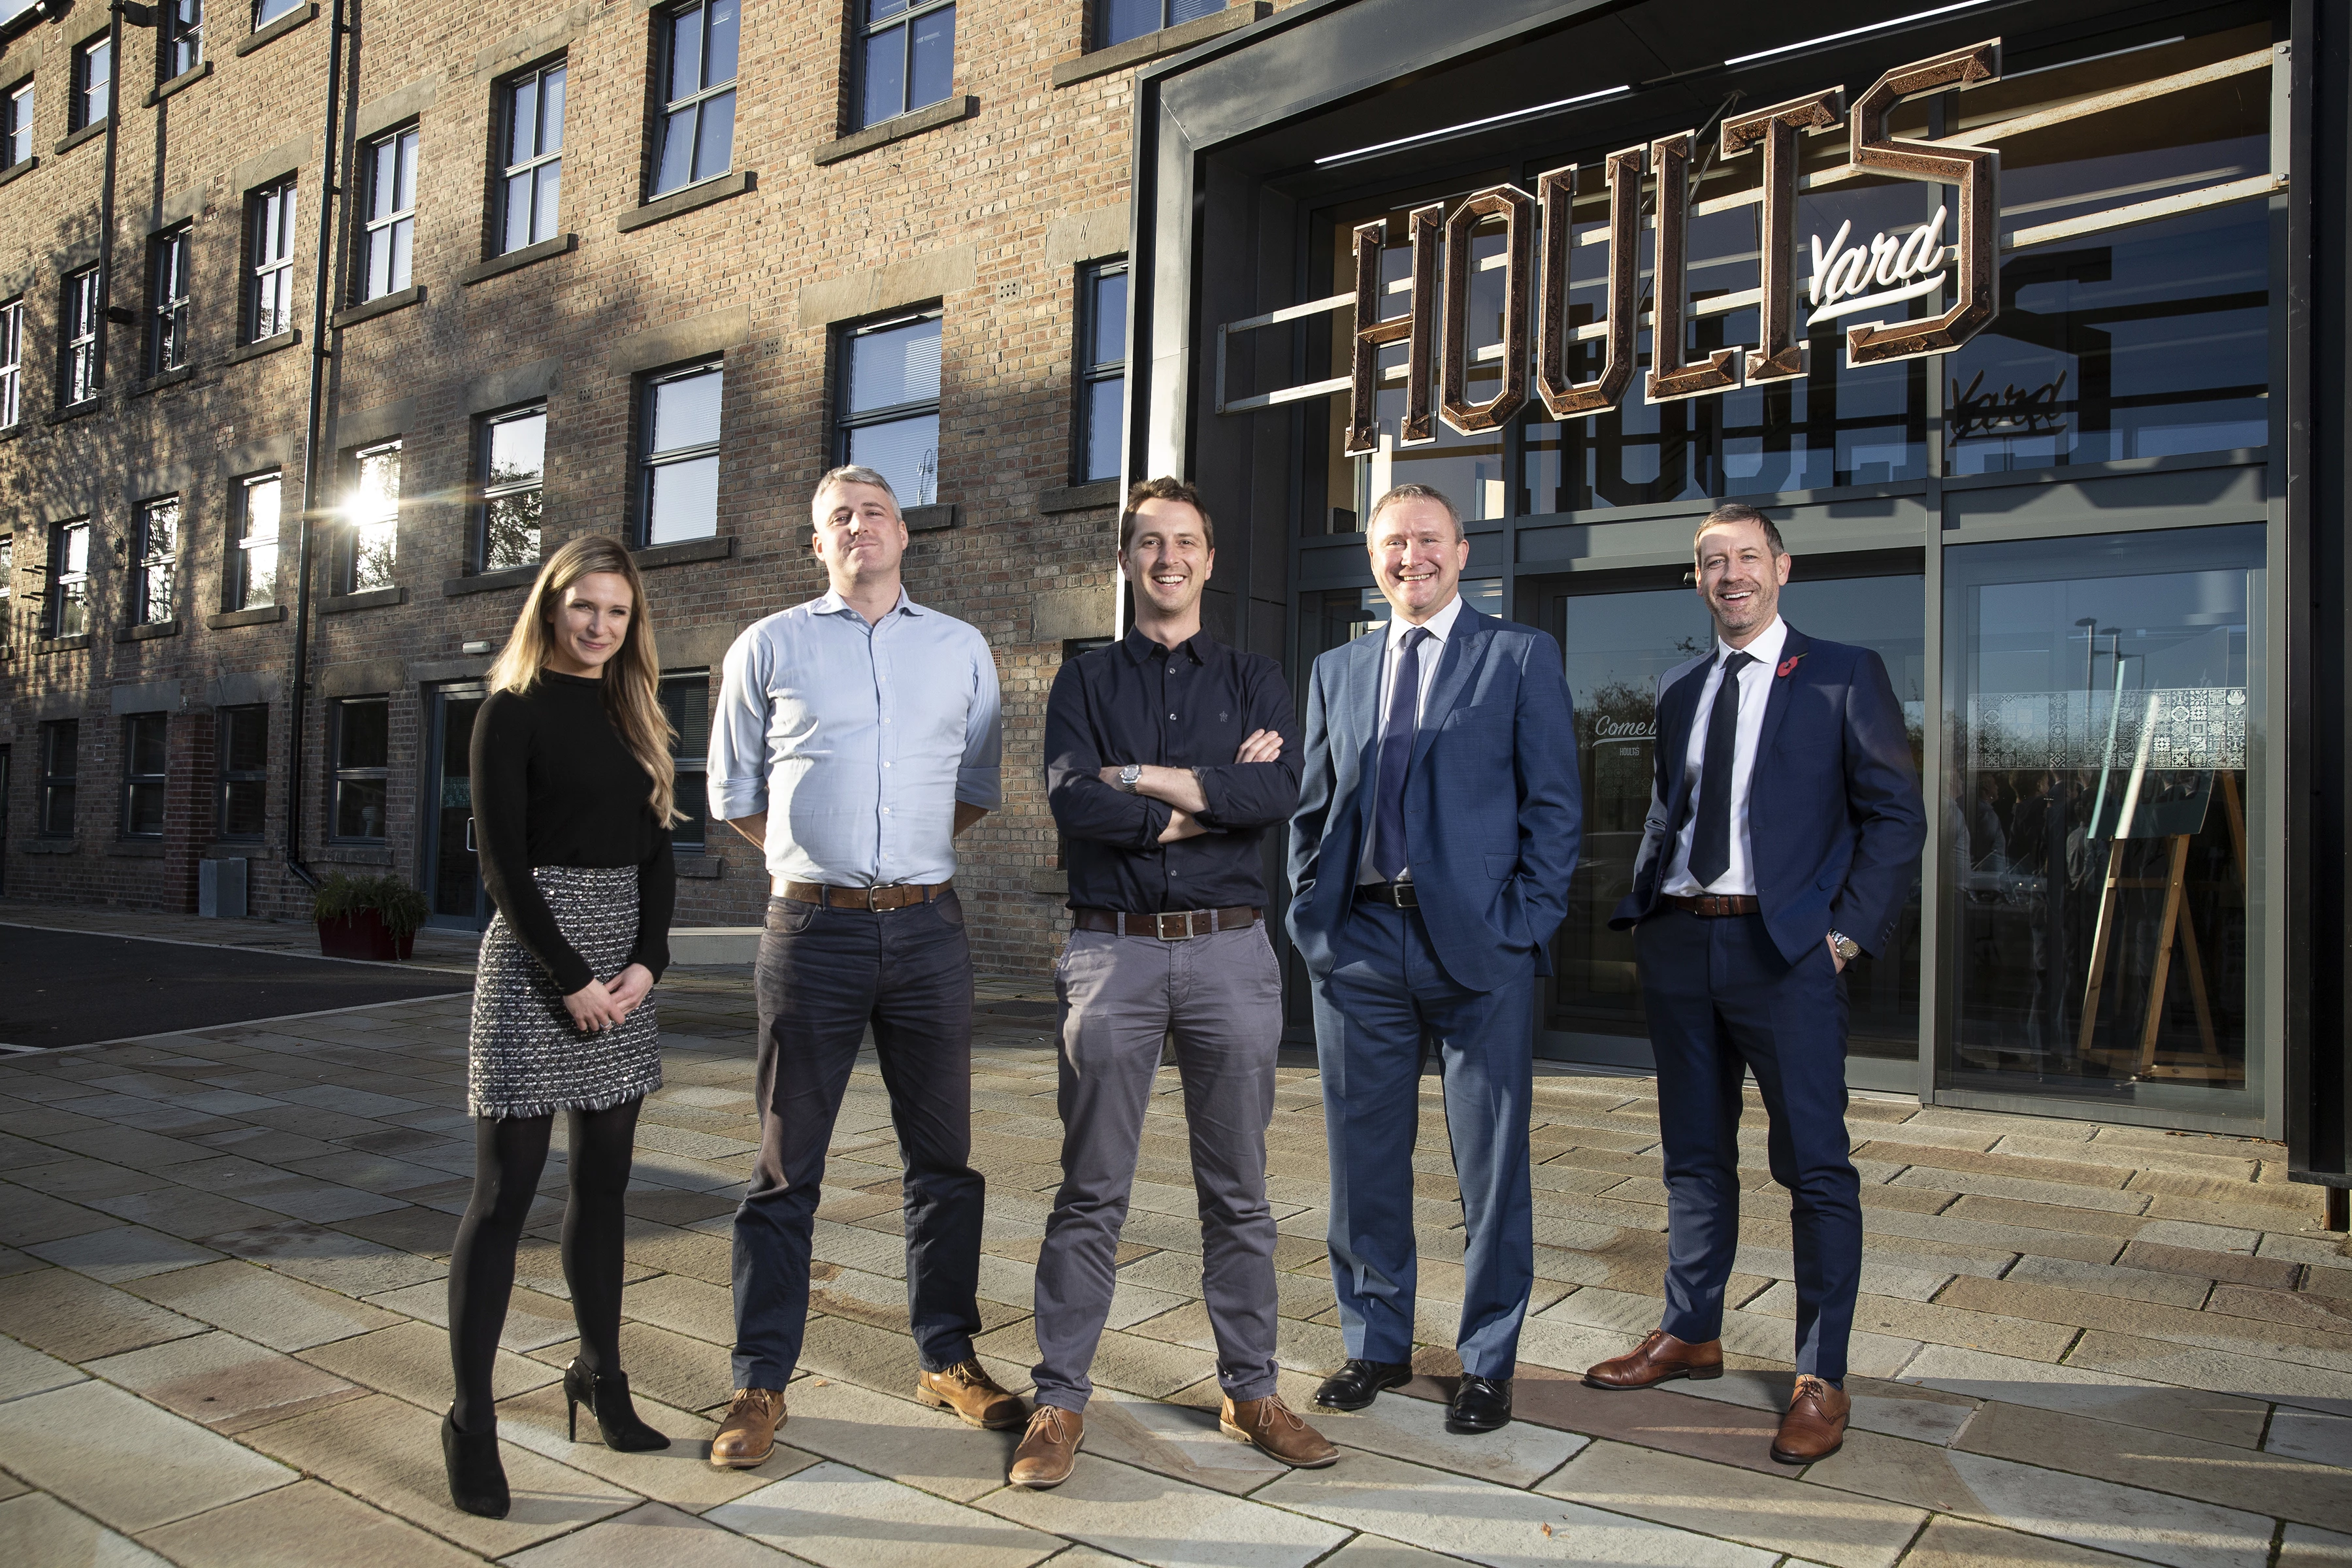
x=1787 y=665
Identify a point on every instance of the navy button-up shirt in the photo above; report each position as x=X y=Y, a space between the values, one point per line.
x=1187 y=707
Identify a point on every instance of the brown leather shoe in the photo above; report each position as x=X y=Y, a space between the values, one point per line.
x=971 y=1393
x=1814 y=1428
x=747 y=1435
x=1049 y=1450
x=1275 y=1429
x=1655 y=1359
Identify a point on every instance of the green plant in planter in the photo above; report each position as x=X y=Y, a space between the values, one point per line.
x=401 y=906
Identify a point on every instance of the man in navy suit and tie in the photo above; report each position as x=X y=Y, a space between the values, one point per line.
x=1784 y=831
x=1437 y=831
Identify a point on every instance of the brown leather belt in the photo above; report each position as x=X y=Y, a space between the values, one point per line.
x=896 y=896
x=1396 y=895
x=1714 y=906
x=1171 y=925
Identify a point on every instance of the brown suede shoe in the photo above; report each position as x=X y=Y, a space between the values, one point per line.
x=1049 y=1450
x=971 y=1393
x=747 y=1435
x=1814 y=1428
x=1273 y=1428
x=1656 y=1359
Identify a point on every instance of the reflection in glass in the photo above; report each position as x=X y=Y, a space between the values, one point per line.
x=2104 y=696
x=682 y=464
x=244 y=771
x=375 y=517
x=513 y=490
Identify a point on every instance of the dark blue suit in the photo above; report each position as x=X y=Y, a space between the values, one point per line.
x=1491 y=811
x=1835 y=827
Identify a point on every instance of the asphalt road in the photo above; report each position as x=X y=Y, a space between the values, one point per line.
x=71 y=988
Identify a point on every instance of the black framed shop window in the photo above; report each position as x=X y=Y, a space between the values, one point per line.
x=531 y=154
x=1099 y=372
x=686 y=699
x=243 y=782
x=678 y=487
x=144 y=768
x=60 y=763
x=699 y=47
x=155 y=562
x=363 y=752
x=886 y=416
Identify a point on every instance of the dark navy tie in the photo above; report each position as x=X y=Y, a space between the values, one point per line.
x=1396 y=752
x=1710 y=854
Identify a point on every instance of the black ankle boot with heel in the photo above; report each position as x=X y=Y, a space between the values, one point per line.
x=606 y=1396
x=478 y=1481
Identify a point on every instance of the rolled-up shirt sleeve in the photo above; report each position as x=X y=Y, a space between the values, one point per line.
x=980 y=779
x=738 y=781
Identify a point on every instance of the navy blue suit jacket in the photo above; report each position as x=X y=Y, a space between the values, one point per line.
x=1493 y=805
x=1835 y=821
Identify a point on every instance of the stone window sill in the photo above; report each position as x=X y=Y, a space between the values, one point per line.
x=19 y=169
x=10 y=432
x=1151 y=46
x=270 y=346
x=366 y=599
x=382 y=305
x=136 y=848
x=897 y=128
x=924 y=519
x=1079 y=497
x=162 y=379
x=489 y=581
x=498 y=266
x=277 y=30
x=82 y=410
x=96 y=128
x=354 y=855
x=685 y=550
x=170 y=628
x=691 y=199
x=64 y=645
x=185 y=80
x=261 y=615
x=49 y=846
x=237 y=849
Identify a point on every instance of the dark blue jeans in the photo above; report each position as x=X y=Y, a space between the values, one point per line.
x=1724 y=1002
x=823 y=976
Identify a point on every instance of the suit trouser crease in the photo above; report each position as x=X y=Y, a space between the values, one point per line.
x=825 y=975
x=1385 y=1000
x=1219 y=998
x=1724 y=1002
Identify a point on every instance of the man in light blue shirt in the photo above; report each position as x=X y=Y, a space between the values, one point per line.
x=856 y=736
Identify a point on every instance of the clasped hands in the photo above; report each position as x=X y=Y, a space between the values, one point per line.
x=598 y=1005
x=1180 y=787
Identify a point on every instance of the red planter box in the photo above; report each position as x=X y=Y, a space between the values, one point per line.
x=364 y=936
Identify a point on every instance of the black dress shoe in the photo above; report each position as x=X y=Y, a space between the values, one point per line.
x=1480 y=1404
x=1358 y=1384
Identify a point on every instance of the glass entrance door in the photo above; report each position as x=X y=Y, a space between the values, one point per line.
x=453 y=876
x=1620 y=632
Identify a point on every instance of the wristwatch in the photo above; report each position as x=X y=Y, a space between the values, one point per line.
x=1129 y=776
x=1844 y=946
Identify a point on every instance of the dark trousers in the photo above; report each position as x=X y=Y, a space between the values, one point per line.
x=1724 y=1002
x=823 y=976
x=1385 y=1001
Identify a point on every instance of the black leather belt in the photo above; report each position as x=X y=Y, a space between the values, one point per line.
x=1396 y=895
x=1171 y=925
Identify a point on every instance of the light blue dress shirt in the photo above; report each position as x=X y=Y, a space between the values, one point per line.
x=857 y=741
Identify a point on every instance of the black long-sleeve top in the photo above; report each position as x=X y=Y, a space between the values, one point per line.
x=1187 y=707
x=554 y=784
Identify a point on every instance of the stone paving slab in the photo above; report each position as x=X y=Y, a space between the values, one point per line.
x=836 y=1517
x=129 y=1464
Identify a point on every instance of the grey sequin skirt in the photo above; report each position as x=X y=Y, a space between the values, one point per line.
x=526 y=1058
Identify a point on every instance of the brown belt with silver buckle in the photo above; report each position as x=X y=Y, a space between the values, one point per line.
x=896 y=896
x=1714 y=906
x=1172 y=925
x=1396 y=895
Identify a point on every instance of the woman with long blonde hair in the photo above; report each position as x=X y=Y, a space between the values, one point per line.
x=572 y=799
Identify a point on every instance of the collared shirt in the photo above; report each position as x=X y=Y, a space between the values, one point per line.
x=1440 y=628
x=1755 y=690
x=1187 y=707
x=857 y=741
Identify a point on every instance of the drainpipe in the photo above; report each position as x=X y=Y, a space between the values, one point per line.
x=139 y=17
x=322 y=281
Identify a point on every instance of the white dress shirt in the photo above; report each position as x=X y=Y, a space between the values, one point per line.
x=1440 y=628
x=1755 y=690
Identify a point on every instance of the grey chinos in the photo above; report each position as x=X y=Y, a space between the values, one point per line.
x=1220 y=995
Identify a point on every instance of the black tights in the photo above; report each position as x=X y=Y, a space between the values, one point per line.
x=508 y=1158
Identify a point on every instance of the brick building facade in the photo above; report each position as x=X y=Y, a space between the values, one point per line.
x=453 y=302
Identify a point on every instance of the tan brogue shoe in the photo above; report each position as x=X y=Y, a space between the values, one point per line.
x=1655 y=1359
x=1273 y=1428
x=971 y=1393
x=747 y=1435
x=1814 y=1428
x=1049 y=1450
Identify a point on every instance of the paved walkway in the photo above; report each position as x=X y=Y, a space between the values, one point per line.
x=221 y=1291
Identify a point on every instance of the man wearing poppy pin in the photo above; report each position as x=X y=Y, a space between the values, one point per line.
x=1784 y=832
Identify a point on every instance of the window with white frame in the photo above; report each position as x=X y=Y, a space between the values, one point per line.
x=513 y=476
x=1101 y=371
x=155 y=589
x=698 y=50
x=906 y=56
x=93 y=75
x=372 y=517
x=17 y=124
x=145 y=774
x=1117 y=21
x=267 y=11
x=81 y=365
x=68 y=606
x=172 y=252
x=679 y=460
x=252 y=575
x=183 y=32
x=269 y=251
x=533 y=157
x=390 y=231
x=888 y=414
x=12 y=362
